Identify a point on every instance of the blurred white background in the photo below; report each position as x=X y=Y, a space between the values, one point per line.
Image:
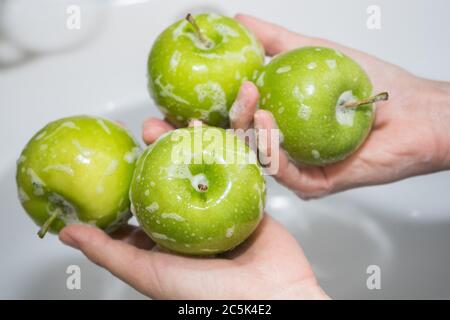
x=48 y=71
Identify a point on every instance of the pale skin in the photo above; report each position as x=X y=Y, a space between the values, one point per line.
x=411 y=136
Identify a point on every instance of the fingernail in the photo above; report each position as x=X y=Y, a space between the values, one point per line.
x=195 y=123
x=257 y=120
x=67 y=239
x=238 y=105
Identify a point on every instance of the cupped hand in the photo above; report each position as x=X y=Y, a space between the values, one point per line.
x=269 y=265
x=410 y=136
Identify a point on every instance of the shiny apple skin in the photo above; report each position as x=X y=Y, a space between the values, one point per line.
x=177 y=216
x=189 y=81
x=301 y=88
x=81 y=166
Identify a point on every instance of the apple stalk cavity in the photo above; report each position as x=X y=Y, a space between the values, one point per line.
x=208 y=44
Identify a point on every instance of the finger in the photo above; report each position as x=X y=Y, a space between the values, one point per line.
x=125 y=261
x=134 y=236
x=195 y=123
x=243 y=108
x=307 y=182
x=153 y=128
x=275 y=39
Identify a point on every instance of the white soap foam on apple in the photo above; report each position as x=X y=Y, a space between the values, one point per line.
x=214 y=92
x=230 y=231
x=103 y=125
x=331 y=63
x=283 y=69
x=304 y=111
x=132 y=155
x=112 y=167
x=85 y=153
x=167 y=91
x=180 y=31
x=315 y=154
x=37 y=183
x=225 y=31
x=66 y=211
x=199 y=68
x=67 y=124
x=345 y=116
x=298 y=94
x=60 y=167
x=310 y=89
x=175 y=60
x=311 y=65
x=260 y=80
x=199 y=181
x=173 y=216
x=23 y=196
x=153 y=207
x=161 y=236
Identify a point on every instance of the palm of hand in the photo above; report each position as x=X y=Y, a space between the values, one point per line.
x=269 y=265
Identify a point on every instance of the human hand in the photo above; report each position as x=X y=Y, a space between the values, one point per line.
x=269 y=265
x=410 y=136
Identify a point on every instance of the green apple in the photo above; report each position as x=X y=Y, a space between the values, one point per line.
x=77 y=170
x=196 y=66
x=320 y=99
x=198 y=191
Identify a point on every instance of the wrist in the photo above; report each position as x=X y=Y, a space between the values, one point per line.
x=437 y=99
x=301 y=291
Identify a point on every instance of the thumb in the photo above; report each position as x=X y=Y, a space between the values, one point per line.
x=122 y=259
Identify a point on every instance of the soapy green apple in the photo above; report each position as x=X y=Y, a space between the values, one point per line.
x=205 y=204
x=196 y=66
x=77 y=170
x=321 y=100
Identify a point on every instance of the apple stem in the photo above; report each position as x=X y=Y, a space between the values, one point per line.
x=48 y=223
x=383 y=96
x=198 y=32
x=202 y=187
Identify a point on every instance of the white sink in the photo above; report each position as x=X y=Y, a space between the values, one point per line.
x=404 y=228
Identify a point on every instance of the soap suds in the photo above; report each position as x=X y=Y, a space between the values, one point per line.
x=132 y=155
x=111 y=167
x=175 y=60
x=153 y=207
x=260 y=80
x=167 y=91
x=37 y=183
x=60 y=167
x=311 y=65
x=310 y=89
x=214 y=93
x=283 y=69
x=345 y=116
x=161 y=236
x=199 y=68
x=315 y=154
x=23 y=196
x=230 y=231
x=173 y=216
x=304 y=111
x=331 y=63
x=103 y=125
